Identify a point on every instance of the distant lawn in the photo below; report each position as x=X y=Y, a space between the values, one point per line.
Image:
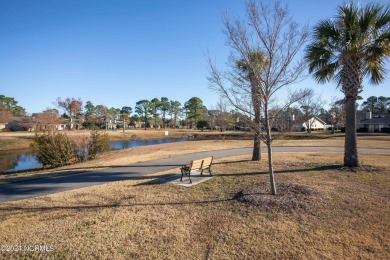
x=22 y=140
x=344 y=215
x=14 y=143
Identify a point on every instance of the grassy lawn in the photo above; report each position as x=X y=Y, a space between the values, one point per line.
x=14 y=143
x=341 y=214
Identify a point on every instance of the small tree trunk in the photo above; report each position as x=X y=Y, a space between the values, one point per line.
x=271 y=170
x=268 y=139
x=332 y=128
x=350 y=150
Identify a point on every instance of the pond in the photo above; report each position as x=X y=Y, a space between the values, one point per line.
x=20 y=160
x=119 y=145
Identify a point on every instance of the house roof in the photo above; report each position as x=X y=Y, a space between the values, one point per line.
x=382 y=119
x=360 y=116
x=320 y=120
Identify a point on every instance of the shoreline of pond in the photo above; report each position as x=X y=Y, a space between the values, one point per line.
x=20 y=160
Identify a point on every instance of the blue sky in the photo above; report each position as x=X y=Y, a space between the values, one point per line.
x=118 y=52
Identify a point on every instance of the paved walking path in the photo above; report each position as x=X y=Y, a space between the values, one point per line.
x=50 y=185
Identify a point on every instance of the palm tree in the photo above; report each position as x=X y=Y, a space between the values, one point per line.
x=250 y=71
x=346 y=49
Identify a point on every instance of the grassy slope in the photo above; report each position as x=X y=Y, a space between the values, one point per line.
x=153 y=219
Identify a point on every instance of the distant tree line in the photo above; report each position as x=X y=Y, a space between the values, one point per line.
x=377 y=105
x=163 y=113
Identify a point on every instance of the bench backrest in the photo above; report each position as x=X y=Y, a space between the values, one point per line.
x=202 y=163
x=207 y=161
x=196 y=164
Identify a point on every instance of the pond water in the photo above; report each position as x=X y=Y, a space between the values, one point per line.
x=119 y=145
x=19 y=160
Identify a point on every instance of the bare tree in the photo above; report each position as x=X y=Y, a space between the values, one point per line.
x=310 y=106
x=270 y=31
x=337 y=112
x=223 y=118
x=71 y=106
x=47 y=120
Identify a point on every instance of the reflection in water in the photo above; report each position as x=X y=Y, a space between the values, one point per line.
x=19 y=160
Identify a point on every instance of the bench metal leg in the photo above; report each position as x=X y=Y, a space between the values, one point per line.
x=182 y=173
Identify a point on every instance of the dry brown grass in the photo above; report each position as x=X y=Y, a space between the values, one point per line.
x=13 y=143
x=146 y=219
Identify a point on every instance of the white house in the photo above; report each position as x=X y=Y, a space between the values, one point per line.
x=3 y=126
x=314 y=123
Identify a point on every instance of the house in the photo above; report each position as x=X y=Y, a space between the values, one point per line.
x=112 y=124
x=65 y=124
x=373 y=123
x=314 y=123
x=3 y=126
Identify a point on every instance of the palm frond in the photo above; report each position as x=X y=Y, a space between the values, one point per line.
x=326 y=29
x=383 y=18
x=355 y=35
x=368 y=17
x=376 y=72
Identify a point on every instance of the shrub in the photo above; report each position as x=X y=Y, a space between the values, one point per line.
x=201 y=124
x=99 y=143
x=385 y=130
x=54 y=149
x=89 y=125
x=89 y=147
x=59 y=150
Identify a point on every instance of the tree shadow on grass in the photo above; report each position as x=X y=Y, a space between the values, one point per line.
x=171 y=177
x=86 y=207
x=318 y=168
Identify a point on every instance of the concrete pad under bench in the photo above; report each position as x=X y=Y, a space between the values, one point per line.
x=196 y=179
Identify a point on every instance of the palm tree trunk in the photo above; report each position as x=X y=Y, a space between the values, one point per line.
x=350 y=152
x=256 y=155
x=256 y=102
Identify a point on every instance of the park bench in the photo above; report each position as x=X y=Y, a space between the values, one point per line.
x=197 y=166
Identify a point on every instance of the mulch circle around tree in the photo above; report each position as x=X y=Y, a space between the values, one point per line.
x=289 y=198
